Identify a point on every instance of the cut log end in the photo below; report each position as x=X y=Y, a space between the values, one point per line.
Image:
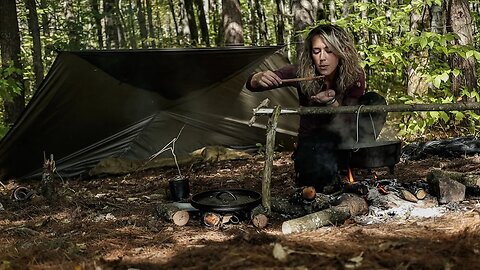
x=420 y=194
x=260 y=221
x=172 y=213
x=287 y=228
x=309 y=193
x=181 y=218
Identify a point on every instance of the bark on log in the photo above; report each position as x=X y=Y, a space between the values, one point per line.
x=172 y=213
x=348 y=205
x=284 y=207
x=259 y=217
x=460 y=106
x=269 y=151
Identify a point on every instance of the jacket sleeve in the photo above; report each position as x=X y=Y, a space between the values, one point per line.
x=355 y=91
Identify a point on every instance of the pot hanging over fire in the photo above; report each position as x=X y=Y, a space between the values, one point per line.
x=369 y=155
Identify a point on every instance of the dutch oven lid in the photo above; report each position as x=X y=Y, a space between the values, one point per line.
x=226 y=200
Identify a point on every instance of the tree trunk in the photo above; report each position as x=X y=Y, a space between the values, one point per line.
x=460 y=22
x=280 y=22
x=108 y=9
x=202 y=18
x=151 y=29
x=217 y=21
x=72 y=27
x=253 y=22
x=45 y=21
x=10 y=54
x=142 y=23
x=37 y=46
x=97 y=17
x=232 y=23
x=262 y=23
x=347 y=8
x=174 y=17
x=119 y=23
x=183 y=25
x=416 y=84
x=192 y=24
x=304 y=14
x=131 y=23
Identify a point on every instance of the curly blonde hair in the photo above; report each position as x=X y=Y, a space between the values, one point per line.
x=341 y=44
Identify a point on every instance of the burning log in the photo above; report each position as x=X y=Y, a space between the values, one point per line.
x=347 y=205
x=358 y=188
x=173 y=213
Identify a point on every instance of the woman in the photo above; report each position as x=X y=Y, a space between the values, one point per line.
x=328 y=51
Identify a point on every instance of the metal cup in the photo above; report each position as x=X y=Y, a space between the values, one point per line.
x=179 y=188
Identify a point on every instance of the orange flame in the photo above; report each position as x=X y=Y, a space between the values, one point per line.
x=350 y=176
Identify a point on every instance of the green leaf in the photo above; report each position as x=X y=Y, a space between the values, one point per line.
x=444 y=116
x=444 y=76
x=456 y=72
x=469 y=54
x=437 y=81
x=423 y=42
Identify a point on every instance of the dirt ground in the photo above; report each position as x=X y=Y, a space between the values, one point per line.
x=111 y=223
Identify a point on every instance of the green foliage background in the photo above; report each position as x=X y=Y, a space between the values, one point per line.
x=389 y=50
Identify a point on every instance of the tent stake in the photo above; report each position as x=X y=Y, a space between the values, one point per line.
x=269 y=152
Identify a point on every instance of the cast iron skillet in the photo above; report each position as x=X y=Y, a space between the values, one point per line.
x=369 y=155
x=226 y=200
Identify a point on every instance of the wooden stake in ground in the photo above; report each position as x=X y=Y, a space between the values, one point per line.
x=172 y=213
x=348 y=205
x=269 y=151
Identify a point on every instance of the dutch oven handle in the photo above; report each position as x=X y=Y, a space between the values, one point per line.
x=225 y=192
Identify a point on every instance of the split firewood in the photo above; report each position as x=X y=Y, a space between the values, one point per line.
x=347 y=205
x=212 y=219
x=259 y=217
x=408 y=196
x=172 y=213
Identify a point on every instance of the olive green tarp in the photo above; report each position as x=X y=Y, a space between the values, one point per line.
x=129 y=104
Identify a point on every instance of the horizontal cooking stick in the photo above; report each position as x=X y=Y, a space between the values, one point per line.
x=302 y=79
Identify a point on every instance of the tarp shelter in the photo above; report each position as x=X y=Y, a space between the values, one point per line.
x=129 y=104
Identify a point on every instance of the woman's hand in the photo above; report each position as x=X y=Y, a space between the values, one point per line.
x=265 y=79
x=325 y=97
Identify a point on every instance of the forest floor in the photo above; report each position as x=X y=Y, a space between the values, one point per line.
x=111 y=223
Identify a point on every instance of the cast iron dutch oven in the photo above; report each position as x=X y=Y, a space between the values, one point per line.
x=226 y=200
x=370 y=155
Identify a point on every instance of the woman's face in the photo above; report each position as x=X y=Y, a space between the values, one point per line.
x=324 y=59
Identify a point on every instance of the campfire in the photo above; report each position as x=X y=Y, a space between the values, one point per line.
x=361 y=195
